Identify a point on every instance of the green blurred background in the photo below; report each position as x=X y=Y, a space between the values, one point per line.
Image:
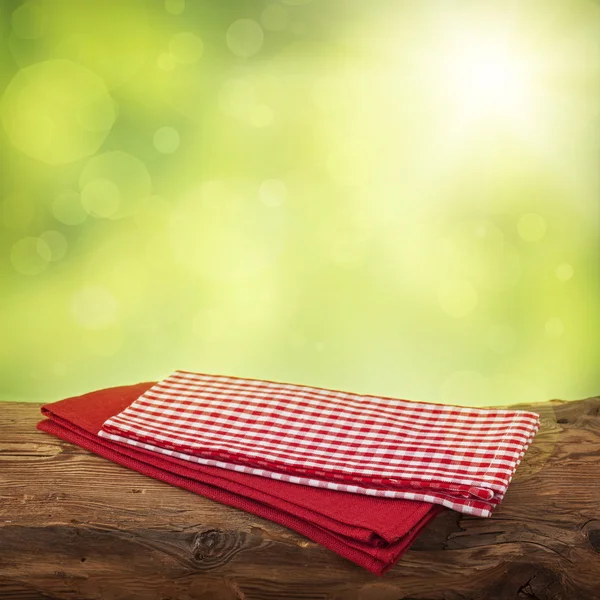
x=388 y=197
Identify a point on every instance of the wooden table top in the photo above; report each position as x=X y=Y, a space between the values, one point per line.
x=76 y=526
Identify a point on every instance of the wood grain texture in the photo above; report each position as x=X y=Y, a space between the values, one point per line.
x=74 y=526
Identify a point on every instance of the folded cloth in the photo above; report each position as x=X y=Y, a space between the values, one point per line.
x=458 y=457
x=372 y=532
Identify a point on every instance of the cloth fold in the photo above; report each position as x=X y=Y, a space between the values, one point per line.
x=458 y=457
x=373 y=532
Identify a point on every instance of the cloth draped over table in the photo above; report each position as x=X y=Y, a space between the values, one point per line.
x=361 y=475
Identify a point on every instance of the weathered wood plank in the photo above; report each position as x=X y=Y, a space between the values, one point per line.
x=75 y=526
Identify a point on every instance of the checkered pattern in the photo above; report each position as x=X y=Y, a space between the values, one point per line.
x=461 y=458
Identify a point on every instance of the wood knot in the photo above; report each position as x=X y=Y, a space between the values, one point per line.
x=211 y=543
x=214 y=547
x=594 y=538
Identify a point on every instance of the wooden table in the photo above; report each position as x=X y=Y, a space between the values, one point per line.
x=75 y=526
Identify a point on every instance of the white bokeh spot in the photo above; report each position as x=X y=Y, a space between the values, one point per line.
x=166 y=140
x=56 y=242
x=186 y=47
x=101 y=198
x=175 y=7
x=114 y=185
x=30 y=255
x=272 y=192
x=531 y=227
x=29 y=21
x=554 y=327
x=52 y=126
x=245 y=37
x=564 y=271
x=166 y=61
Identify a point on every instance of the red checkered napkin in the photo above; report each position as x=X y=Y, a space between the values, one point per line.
x=461 y=458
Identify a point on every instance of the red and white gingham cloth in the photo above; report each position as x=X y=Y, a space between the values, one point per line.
x=461 y=458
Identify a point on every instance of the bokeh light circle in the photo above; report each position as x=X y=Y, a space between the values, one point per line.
x=186 y=47
x=57 y=111
x=114 y=184
x=457 y=297
x=30 y=256
x=272 y=192
x=175 y=7
x=56 y=242
x=68 y=209
x=166 y=140
x=29 y=21
x=564 y=271
x=554 y=327
x=166 y=61
x=100 y=197
x=94 y=307
x=245 y=37
x=531 y=227
x=111 y=38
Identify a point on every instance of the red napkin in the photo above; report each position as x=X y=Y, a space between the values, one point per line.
x=373 y=532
